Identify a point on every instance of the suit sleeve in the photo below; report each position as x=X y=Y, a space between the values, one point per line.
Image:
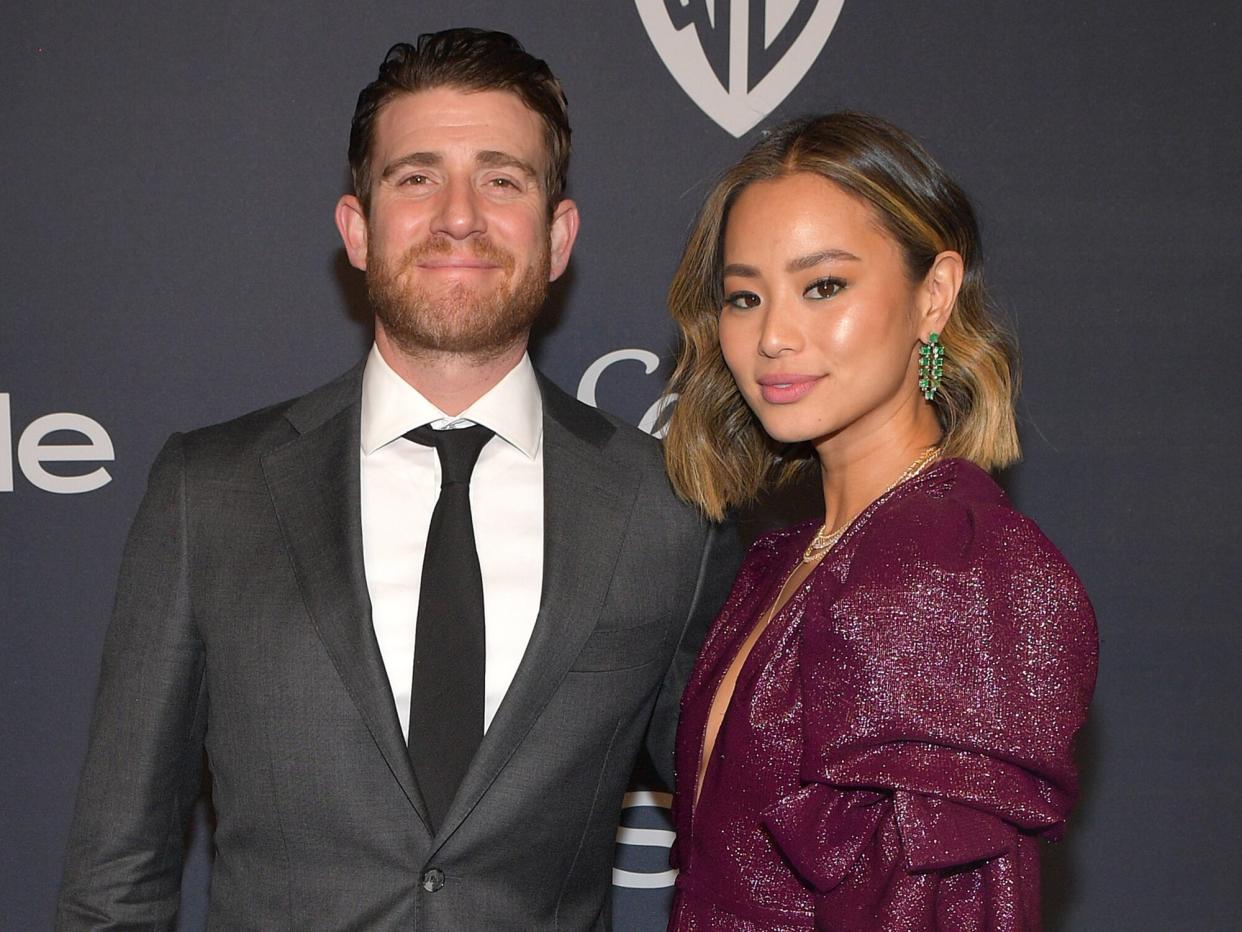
x=144 y=760
x=942 y=691
x=719 y=559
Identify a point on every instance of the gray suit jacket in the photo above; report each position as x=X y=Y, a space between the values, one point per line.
x=243 y=625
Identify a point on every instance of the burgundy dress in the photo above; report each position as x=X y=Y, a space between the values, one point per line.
x=900 y=737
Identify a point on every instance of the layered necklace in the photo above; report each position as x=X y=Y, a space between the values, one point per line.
x=823 y=541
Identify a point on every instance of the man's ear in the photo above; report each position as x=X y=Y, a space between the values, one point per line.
x=351 y=222
x=940 y=287
x=563 y=232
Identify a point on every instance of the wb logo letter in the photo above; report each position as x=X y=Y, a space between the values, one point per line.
x=738 y=59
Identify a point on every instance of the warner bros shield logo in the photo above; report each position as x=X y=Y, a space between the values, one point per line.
x=738 y=59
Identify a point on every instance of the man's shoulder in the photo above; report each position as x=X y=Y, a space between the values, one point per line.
x=252 y=434
x=613 y=436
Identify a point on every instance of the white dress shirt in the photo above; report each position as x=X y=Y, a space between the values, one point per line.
x=400 y=485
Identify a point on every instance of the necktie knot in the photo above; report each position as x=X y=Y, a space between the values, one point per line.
x=458 y=449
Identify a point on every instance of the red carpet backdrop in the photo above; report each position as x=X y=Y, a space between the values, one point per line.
x=169 y=260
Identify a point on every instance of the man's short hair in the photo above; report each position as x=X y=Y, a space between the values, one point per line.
x=468 y=60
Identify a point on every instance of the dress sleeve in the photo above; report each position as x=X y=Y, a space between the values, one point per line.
x=943 y=682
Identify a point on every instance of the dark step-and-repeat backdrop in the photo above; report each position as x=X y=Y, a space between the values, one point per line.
x=169 y=260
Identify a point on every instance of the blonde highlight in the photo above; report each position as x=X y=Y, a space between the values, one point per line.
x=717 y=453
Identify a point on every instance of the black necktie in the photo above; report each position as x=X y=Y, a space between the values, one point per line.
x=446 y=702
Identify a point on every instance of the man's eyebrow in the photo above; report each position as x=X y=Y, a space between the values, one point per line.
x=488 y=158
x=494 y=158
x=412 y=160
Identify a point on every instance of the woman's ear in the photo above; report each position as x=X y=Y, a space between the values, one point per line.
x=939 y=293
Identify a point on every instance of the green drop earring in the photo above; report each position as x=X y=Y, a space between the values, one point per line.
x=931 y=366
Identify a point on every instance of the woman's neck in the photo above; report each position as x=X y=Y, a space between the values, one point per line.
x=857 y=468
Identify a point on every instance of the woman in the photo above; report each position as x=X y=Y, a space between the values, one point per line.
x=878 y=730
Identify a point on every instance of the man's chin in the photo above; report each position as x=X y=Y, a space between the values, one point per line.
x=443 y=333
x=468 y=345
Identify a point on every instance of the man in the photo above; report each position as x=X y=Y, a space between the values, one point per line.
x=422 y=618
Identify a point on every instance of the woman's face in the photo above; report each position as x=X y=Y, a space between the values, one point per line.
x=820 y=324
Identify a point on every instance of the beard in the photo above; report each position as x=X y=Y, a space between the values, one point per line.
x=457 y=318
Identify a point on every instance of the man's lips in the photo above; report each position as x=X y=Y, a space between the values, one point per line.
x=456 y=263
x=783 y=388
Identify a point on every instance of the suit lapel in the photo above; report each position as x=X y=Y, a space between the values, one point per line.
x=315 y=487
x=588 y=500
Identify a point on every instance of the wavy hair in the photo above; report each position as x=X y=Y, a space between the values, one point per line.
x=717 y=452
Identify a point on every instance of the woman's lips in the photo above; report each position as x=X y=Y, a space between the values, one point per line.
x=783 y=389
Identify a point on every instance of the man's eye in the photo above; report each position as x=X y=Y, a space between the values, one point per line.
x=503 y=183
x=742 y=300
x=824 y=288
x=415 y=179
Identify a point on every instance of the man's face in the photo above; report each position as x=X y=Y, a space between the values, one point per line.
x=457 y=244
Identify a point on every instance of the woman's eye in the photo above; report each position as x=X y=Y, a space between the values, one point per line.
x=742 y=300
x=825 y=288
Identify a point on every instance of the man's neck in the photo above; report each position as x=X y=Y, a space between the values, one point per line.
x=450 y=381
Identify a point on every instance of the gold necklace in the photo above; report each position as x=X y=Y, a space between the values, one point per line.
x=822 y=542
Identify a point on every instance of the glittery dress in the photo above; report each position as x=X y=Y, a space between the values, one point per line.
x=900 y=737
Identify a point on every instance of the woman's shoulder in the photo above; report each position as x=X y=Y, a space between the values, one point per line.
x=955 y=518
x=773 y=547
x=768 y=554
x=777 y=540
x=952 y=546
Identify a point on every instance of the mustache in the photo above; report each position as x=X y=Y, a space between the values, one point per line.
x=440 y=245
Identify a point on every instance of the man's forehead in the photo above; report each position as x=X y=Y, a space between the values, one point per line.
x=460 y=115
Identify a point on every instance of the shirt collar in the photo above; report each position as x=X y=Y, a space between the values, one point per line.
x=512 y=408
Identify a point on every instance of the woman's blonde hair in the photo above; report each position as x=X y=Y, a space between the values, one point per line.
x=717 y=452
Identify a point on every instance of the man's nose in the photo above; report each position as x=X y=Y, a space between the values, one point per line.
x=458 y=213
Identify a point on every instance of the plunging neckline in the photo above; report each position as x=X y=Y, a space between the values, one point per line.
x=737 y=665
x=706 y=753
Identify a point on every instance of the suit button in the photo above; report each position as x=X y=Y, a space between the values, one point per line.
x=433 y=879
